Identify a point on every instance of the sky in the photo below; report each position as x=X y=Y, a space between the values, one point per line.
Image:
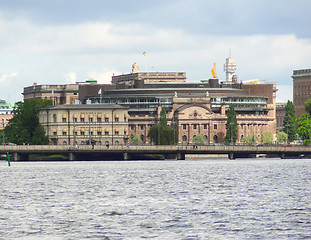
x=67 y=41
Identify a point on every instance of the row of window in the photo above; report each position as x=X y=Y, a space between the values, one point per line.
x=91 y=118
x=84 y=143
x=195 y=126
x=237 y=99
x=301 y=89
x=91 y=132
x=98 y=133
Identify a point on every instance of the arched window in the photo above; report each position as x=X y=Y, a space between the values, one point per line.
x=184 y=138
x=82 y=143
x=215 y=138
x=91 y=116
x=82 y=131
x=116 y=142
x=142 y=138
x=242 y=137
x=82 y=116
x=64 y=118
x=116 y=117
x=99 y=143
x=99 y=118
x=99 y=131
x=106 y=117
x=74 y=118
x=64 y=143
x=116 y=131
x=64 y=132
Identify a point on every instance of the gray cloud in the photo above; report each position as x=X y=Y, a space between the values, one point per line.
x=60 y=41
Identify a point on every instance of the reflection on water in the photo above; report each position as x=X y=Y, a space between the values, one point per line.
x=197 y=199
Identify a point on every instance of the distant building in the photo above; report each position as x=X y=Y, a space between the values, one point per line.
x=302 y=89
x=59 y=94
x=191 y=107
x=6 y=113
x=128 y=79
x=81 y=124
x=230 y=69
x=280 y=114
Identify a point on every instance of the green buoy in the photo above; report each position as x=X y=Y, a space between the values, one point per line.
x=8 y=156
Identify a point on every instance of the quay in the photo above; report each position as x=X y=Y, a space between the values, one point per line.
x=99 y=152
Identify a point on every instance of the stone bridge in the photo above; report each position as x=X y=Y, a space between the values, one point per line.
x=87 y=152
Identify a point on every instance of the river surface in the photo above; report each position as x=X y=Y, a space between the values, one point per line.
x=192 y=199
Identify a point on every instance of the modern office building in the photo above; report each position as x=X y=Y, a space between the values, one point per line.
x=302 y=89
x=81 y=124
x=191 y=107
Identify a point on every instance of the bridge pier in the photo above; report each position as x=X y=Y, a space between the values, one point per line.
x=180 y=156
x=20 y=157
x=125 y=156
x=231 y=156
x=71 y=156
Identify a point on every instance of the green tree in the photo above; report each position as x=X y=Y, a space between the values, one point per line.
x=232 y=126
x=304 y=128
x=250 y=138
x=281 y=137
x=289 y=123
x=39 y=136
x=163 y=120
x=267 y=137
x=135 y=139
x=2 y=137
x=308 y=105
x=161 y=134
x=24 y=127
x=199 y=139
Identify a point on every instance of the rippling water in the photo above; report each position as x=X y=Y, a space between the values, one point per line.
x=197 y=199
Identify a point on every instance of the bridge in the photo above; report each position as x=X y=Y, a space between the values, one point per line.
x=88 y=152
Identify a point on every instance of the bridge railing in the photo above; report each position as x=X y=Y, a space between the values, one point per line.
x=155 y=148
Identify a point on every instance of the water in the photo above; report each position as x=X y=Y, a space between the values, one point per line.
x=193 y=199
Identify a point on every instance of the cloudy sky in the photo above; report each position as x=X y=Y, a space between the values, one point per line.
x=64 y=41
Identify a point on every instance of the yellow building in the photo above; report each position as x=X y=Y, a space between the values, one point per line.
x=81 y=124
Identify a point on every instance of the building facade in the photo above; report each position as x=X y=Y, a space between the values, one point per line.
x=192 y=107
x=59 y=94
x=280 y=114
x=6 y=113
x=81 y=124
x=302 y=89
